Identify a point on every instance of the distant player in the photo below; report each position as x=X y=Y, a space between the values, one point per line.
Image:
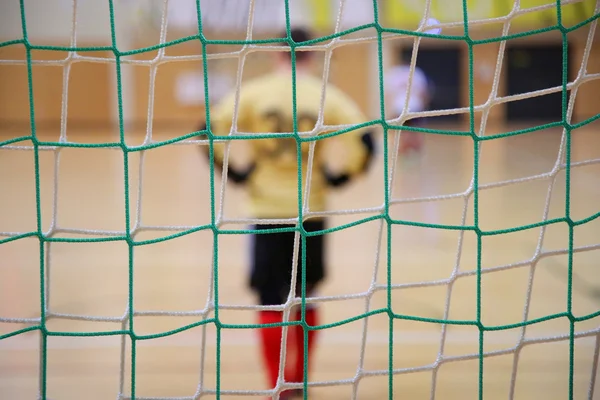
x=396 y=87
x=265 y=106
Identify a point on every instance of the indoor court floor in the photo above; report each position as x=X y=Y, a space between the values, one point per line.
x=171 y=279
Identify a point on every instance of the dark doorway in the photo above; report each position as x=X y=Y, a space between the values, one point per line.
x=531 y=68
x=442 y=68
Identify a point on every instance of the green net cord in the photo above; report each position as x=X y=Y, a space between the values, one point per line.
x=128 y=330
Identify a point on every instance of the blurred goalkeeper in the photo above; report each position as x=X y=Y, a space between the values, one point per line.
x=265 y=106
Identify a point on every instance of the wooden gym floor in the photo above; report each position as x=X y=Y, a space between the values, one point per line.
x=91 y=279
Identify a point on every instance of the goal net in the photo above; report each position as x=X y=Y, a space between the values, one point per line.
x=464 y=335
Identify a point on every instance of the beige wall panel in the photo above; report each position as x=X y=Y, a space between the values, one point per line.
x=14 y=89
x=349 y=70
x=90 y=89
x=166 y=108
x=91 y=85
x=485 y=57
x=587 y=102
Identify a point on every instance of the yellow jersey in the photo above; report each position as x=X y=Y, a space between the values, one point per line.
x=265 y=107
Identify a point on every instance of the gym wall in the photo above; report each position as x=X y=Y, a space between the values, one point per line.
x=92 y=86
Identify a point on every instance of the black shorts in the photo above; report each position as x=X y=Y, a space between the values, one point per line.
x=272 y=256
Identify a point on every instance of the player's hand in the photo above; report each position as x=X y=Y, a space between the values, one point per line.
x=369 y=144
x=234 y=174
x=335 y=180
x=238 y=176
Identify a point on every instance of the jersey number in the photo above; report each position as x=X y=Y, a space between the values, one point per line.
x=276 y=122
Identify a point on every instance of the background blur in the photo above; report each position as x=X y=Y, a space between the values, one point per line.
x=81 y=194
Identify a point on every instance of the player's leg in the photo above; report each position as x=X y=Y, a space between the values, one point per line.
x=311 y=316
x=315 y=273
x=271 y=278
x=266 y=275
x=271 y=344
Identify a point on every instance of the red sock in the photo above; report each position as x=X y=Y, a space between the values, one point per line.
x=311 y=320
x=271 y=344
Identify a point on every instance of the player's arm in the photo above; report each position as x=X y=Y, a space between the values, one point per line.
x=221 y=121
x=359 y=144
